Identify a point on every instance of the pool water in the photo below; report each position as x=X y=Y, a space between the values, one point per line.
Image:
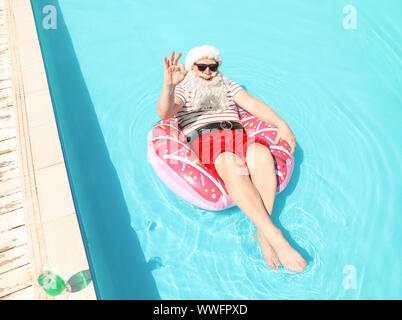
x=331 y=71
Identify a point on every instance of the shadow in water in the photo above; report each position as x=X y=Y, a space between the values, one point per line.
x=280 y=202
x=280 y=199
x=118 y=265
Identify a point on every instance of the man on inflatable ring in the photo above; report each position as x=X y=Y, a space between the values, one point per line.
x=204 y=102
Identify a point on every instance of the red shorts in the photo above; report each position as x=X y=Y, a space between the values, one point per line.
x=209 y=145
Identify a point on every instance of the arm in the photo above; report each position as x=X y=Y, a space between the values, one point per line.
x=263 y=112
x=258 y=108
x=168 y=104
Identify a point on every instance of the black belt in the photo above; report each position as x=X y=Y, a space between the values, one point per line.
x=214 y=126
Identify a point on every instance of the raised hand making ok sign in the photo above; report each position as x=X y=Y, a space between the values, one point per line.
x=174 y=72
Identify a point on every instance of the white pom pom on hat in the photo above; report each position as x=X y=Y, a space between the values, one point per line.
x=200 y=52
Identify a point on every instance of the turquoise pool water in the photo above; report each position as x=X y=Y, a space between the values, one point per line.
x=333 y=72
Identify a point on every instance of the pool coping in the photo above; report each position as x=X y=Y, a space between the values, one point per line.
x=53 y=233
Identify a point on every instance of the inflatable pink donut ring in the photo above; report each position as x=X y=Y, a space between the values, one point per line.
x=179 y=167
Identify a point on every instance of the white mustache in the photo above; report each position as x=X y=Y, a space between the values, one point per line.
x=208 y=76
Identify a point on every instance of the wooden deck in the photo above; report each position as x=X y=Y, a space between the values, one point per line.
x=15 y=269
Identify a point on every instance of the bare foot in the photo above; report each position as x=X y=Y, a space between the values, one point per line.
x=288 y=256
x=270 y=257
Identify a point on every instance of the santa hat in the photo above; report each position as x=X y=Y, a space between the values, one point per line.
x=200 y=52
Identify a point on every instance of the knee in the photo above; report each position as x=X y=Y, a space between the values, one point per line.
x=230 y=167
x=258 y=155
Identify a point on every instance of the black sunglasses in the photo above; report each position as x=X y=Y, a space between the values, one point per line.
x=203 y=67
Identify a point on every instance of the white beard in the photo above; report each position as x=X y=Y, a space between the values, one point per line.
x=208 y=96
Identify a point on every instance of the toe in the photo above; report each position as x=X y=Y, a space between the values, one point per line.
x=301 y=266
x=273 y=266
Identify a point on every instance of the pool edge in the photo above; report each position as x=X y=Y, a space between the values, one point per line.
x=53 y=234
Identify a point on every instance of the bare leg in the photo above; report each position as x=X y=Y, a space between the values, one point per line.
x=235 y=174
x=245 y=194
x=242 y=190
x=264 y=178
x=262 y=171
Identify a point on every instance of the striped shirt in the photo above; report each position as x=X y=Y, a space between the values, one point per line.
x=189 y=119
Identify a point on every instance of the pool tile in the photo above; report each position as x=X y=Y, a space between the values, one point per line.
x=23 y=13
x=34 y=77
x=39 y=108
x=46 y=149
x=29 y=53
x=26 y=31
x=20 y=3
x=54 y=193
